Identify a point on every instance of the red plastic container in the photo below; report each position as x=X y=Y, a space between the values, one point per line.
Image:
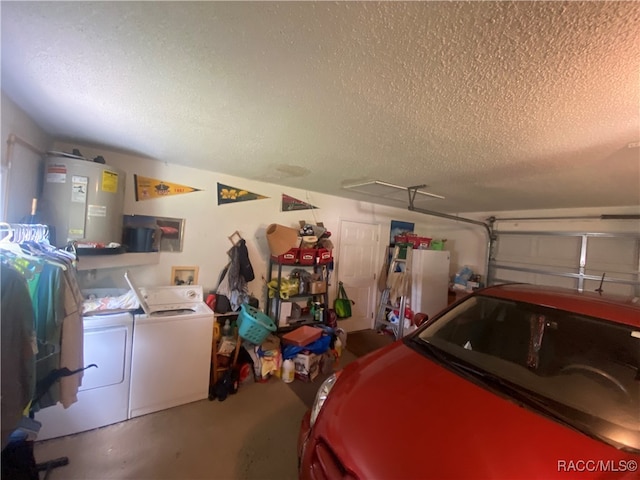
x=302 y=336
x=307 y=256
x=324 y=255
x=287 y=258
x=415 y=240
x=422 y=242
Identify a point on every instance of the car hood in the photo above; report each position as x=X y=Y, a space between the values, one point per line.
x=398 y=414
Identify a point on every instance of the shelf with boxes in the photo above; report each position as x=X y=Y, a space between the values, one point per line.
x=297 y=276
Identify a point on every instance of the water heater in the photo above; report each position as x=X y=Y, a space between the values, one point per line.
x=82 y=200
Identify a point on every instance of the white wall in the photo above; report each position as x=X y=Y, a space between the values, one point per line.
x=20 y=177
x=208 y=225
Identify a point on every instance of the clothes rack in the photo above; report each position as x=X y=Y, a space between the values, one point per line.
x=40 y=294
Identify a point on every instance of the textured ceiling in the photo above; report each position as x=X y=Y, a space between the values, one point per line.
x=494 y=105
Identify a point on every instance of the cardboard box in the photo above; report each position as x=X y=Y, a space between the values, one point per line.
x=307 y=366
x=316 y=286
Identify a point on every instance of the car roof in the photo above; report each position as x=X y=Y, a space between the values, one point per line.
x=615 y=308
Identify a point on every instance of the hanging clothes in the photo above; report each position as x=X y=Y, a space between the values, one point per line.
x=71 y=354
x=245 y=269
x=17 y=337
x=56 y=300
x=49 y=316
x=235 y=276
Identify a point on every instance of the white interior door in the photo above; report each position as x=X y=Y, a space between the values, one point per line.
x=358 y=266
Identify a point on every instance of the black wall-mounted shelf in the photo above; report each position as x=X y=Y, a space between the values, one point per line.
x=276 y=271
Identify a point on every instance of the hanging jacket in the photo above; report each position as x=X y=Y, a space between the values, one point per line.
x=244 y=265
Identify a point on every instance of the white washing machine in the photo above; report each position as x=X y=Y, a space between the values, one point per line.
x=103 y=398
x=171 y=354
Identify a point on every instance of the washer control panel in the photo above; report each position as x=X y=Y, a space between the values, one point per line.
x=172 y=298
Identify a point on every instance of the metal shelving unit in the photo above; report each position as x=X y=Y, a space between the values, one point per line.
x=276 y=302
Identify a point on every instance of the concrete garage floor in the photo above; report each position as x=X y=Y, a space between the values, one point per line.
x=250 y=435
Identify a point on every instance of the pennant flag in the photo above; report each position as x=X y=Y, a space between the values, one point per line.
x=148 y=188
x=290 y=204
x=227 y=194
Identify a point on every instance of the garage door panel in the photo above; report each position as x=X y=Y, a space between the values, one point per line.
x=555 y=259
x=612 y=254
x=609 y=287
x=508 y=276
x=538 y=250
x=612 y=280
x=611 y=274
x=553 y=281
x=558 y=251
x=539 y=266
x=514 y=248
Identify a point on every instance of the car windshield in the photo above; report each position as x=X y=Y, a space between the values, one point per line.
x=580 y=370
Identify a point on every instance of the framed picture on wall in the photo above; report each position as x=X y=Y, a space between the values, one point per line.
x=184 y=275
x=398 y=227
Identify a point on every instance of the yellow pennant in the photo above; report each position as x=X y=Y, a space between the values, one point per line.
x=148 y=188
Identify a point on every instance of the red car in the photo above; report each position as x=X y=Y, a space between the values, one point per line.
x=512 y=382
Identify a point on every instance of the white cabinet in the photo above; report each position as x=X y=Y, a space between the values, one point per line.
x=430 y=281
x=103 y=398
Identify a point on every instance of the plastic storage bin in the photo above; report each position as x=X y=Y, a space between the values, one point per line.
x=307 y=256
x=253 y=325
x=302 y=336
x=289 y=257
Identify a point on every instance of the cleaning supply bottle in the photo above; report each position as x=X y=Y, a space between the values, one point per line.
x=226 y=330
x=337 y=346
x=288 y=370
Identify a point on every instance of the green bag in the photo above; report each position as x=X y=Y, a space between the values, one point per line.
x=342 y=304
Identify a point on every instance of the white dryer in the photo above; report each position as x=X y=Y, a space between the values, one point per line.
x=103 y=397
x=171 y=355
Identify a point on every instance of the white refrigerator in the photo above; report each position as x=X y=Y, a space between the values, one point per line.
x=430 y=281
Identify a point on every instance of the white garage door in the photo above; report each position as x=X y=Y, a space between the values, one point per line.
x=572 y=260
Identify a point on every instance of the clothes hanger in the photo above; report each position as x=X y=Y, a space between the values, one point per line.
x=36 y=240
x=10 y=243
x=7 y=230
x=21 y=246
